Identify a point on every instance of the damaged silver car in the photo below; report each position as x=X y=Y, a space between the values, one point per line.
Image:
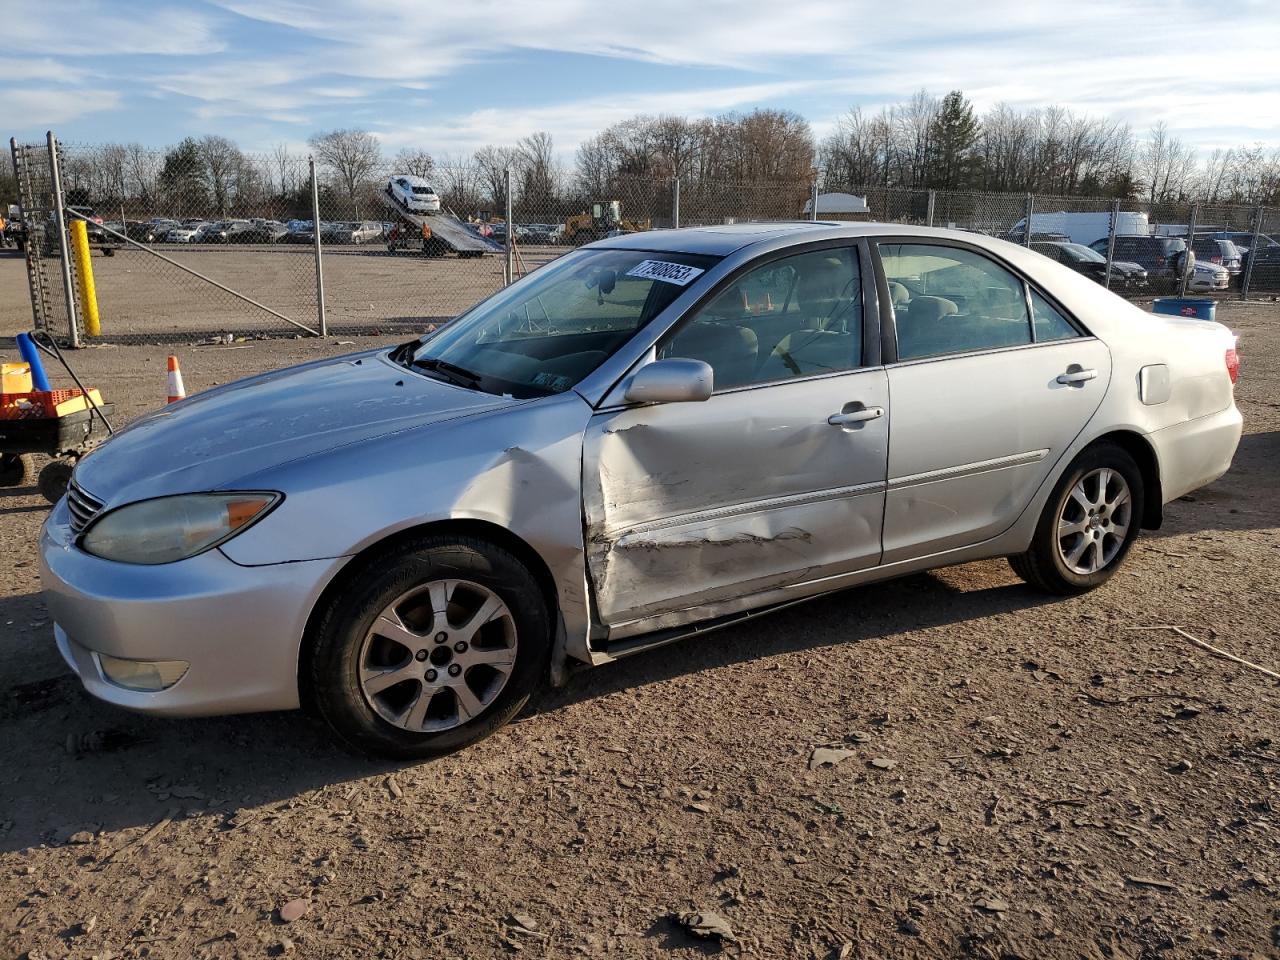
x=650 y=437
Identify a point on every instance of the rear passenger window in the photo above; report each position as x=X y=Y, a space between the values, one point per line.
x=797 y=316
x=950 y=300
x=1050 y=324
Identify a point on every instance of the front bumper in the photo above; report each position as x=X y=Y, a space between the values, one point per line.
x=239 y=628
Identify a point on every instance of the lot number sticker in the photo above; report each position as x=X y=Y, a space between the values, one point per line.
x=676 y=273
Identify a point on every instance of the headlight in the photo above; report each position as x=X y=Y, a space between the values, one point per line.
x=174 y=528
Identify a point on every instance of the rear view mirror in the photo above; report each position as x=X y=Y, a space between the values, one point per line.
x=673 y=380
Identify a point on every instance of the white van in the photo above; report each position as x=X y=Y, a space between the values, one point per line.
x=1084 y=227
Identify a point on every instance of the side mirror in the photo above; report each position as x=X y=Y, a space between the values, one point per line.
x=673 y=380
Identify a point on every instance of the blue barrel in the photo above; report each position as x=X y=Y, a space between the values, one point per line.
x=1199 y=308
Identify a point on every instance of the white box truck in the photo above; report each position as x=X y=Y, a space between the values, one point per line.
x=1084 y=227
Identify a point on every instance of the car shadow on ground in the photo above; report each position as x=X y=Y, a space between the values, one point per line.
x=1242 y=499
x=79 y=764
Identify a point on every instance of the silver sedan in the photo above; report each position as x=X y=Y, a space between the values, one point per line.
x=653 y=436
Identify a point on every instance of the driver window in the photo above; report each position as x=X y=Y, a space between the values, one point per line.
x=798 y=316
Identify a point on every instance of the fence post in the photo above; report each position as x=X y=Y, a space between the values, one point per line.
x=813 y=208
x=1026 y=229
x=675 y=204
x=509 y=269
x=1111 y=239
x=321 y=318
x=933 y=199
x=1253 y=253
x=1186 y=260
x=73 y=327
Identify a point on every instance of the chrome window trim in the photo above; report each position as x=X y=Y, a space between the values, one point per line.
x=1039 y=344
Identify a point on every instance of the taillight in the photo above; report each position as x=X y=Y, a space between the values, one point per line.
x=1233 y=365
x=1160 y=261
x=1215 y=259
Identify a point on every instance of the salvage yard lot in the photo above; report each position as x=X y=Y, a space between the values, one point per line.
x=1021 y=776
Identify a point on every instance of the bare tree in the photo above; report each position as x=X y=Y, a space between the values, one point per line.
x=351 y=157
x=1166 y=165
x=492 y=163
x=415 y=162
x=221 y=161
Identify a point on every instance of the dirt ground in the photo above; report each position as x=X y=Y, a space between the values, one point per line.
x=1024 y=777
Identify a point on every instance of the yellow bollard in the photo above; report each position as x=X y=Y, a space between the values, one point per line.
x=84 y=269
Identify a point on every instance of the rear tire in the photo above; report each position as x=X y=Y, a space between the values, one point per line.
x=17 y=470
x=1088 y=525
x=395 y=675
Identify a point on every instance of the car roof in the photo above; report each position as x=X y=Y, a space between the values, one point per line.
x=723 y=240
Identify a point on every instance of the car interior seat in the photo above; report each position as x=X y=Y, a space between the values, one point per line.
x=924 y=330
x=831 y=338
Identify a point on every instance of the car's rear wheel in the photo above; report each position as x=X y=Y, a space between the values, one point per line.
x=431 y=646
x=1089 y=523
x=17 y=469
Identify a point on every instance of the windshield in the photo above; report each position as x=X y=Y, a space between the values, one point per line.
x=1079 y=251
x=545 y=333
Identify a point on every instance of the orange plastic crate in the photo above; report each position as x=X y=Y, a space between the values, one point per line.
x=36 y=405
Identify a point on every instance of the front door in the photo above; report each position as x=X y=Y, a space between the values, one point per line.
x=993 y=383
x=776 y=480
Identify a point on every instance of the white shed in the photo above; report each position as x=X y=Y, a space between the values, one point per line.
x=838 y=205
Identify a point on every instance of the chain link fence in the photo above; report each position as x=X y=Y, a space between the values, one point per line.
x=205 y=242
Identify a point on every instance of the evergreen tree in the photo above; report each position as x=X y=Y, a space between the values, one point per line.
x=953 y=137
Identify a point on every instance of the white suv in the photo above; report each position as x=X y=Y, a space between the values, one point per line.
x=413 y=194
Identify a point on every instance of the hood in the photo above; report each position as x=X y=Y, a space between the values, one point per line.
x=215 y=438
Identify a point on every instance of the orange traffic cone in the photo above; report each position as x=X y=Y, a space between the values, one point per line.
x=176 y=390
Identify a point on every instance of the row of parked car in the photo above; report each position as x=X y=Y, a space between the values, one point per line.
x=254 y=230
x=1213 y=261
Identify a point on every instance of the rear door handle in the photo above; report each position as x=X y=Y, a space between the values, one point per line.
x=1077 y=377
x=855 y=416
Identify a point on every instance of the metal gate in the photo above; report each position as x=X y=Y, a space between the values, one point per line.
x=50 y=269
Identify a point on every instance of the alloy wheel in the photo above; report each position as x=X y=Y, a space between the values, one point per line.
x=1094 y=521
x=438 y=656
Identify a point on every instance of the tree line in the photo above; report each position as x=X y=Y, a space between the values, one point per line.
x=926 y=142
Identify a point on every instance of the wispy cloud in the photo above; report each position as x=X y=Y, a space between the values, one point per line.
x=266 y=70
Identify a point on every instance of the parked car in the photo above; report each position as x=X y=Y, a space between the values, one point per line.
x=1208 y=277
x=302 y=232
x=1167 y=257
x=539 y=233
x=1243 y=239
x=257 y=231
x=413 y=194
x=185 y=233
x=1092 y=264
x=1265 y=271
x=418 y=536
x=215 y=232
x=1223 y=253
x=361 y=231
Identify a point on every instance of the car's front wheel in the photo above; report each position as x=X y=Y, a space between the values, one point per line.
x=430 y=646
x=1088 y=524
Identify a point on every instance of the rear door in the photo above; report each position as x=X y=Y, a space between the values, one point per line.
x=992 y=382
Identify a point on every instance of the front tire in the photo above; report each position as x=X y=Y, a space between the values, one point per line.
x=433 y=645
x=1089 y=523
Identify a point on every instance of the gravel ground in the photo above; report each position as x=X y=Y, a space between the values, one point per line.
x=144 y=299
x=1018 y=776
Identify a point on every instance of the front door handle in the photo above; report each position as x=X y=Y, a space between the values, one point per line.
x=855 y=416
x=1074 y=378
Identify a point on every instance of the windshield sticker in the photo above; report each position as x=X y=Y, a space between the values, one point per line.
x=552 y=381
x=676 y=273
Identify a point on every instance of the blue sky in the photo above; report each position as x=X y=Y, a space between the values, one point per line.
x=449 y=77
